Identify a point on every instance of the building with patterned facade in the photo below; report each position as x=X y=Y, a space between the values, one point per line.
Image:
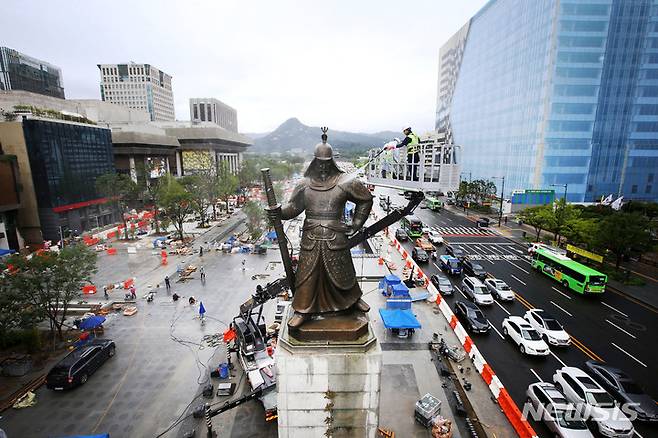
x=556 y=93
x=213 y=110
x=19 y=71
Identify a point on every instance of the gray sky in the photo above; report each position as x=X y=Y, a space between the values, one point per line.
x=352 y=65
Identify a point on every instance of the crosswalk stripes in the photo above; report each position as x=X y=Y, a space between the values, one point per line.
x=464 y=231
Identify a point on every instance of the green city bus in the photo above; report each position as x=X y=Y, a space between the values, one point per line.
x=413 y=226
x=433 y=204
x=571 y=274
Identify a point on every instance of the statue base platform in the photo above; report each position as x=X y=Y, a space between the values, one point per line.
x=341 y=327
x=328 y=388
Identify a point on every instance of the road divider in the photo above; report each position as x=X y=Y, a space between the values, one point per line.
x=509 y=407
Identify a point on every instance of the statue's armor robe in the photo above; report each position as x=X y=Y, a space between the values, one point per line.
x=325 y=279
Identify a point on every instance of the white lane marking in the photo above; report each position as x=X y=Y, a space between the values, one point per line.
x=518 y=267
x=460 y=291
x=615 y=325
x=504 y=309
x=561 y=308
x=436 y=266
x=638 y=434
x=558 y=359
x=616 y=310
x=561 y=293
x=514 y=277
x=496 y=330
x=629 y=355
x=536 y=375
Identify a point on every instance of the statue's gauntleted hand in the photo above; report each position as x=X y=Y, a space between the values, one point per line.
x=273 y=214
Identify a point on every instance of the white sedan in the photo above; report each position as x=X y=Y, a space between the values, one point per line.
x=499 y=289
x=435 y=237
x=527 y=338
x=548 y=327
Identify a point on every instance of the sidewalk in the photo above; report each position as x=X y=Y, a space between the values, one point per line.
x=647 y=294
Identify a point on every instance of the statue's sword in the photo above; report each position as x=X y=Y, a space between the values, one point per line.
x=278 y=229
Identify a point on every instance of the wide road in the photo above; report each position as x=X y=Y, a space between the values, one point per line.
x=611 y=328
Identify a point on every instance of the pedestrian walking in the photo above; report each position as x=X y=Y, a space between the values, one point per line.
x=203 y=274
x=105 y=294
x=167 y=283
x=201 y=251
x=505 y=220
x=133 y=292
x=244 y=262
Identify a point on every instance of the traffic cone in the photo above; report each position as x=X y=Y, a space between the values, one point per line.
x=381 y=261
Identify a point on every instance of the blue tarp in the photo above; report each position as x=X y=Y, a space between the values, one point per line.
x=419 y=295
x=399 y=319
x=399 y=290
x=390 y=279
x=4 y=252
x=271 y=235
x=92 y=322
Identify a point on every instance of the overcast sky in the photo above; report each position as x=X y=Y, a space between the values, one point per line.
x=352 y=65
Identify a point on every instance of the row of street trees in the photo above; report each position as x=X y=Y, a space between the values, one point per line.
x=597 y=228
x=478 y=191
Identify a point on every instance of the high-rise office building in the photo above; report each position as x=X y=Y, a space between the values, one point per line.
x=213 y=110
x=556 y=93
x=138 y=86
x=21 y=72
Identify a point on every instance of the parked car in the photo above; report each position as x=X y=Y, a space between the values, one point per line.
x=419 y=255
x=450 y=265
x=556 y=412
x=624 y=389
x=401 y=235
x=548 y=327
x=476 y=291
x=527 y=338
x=593 y=402
x=499 y=289
x=482 y=222
x=474 y=269
x=442 y=284
x=76 y=367
x=435 y=237
x=456 y=251
x=472 y=317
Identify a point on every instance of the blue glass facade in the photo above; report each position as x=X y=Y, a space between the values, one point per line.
x=560 y=92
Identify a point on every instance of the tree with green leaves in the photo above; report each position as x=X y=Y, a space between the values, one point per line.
x=49 y=281
x=540 y=218
x=255 y=218
x=119 y=189
x=623 y=234
x=462 y=194
x=581 y=231
x=201 y=187
x=148 y=190
x=176 y=202
x=227 y=183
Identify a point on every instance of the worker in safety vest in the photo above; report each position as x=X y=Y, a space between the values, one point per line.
x=412 y=142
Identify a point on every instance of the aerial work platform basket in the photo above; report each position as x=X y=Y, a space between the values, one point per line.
x=436 y=171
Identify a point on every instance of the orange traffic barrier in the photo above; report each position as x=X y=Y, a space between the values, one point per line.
x=128 y=283
x=468 y=344
x=89 y=289
x=381 y=261
x=487 y=373
x=111 y=251
x=164 y=260
x=513 y=414
x=453 y=321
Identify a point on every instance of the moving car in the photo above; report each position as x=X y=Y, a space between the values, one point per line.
x=527 y=338
x=593 y=402
x=556 y=412
x=76 y=367
x=548 y=327
x=499 y=289
x=456 y=251
x=624 y=389
x=474 y=269
x=419 y=255
x=401 y=235
x=476 y=291
x=482 y=222
x=442 y=284
x=424 y=244
x=472 y=317
x=435 y=237
x=450 y=265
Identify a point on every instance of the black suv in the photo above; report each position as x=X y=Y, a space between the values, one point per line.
x=456 y=251
x=474 y=269
x=401 y=235
x=419 y=255
x=482 y=222
x=78 y=365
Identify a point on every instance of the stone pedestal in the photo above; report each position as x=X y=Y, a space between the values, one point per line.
x=328 y=389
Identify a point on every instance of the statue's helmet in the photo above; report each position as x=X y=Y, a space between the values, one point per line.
x=323 y=152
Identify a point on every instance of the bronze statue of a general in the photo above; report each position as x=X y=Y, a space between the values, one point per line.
x=325 y=281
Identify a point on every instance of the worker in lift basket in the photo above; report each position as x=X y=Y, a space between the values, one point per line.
x=412 y=142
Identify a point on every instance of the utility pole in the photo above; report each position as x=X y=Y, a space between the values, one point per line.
x=502 y=194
